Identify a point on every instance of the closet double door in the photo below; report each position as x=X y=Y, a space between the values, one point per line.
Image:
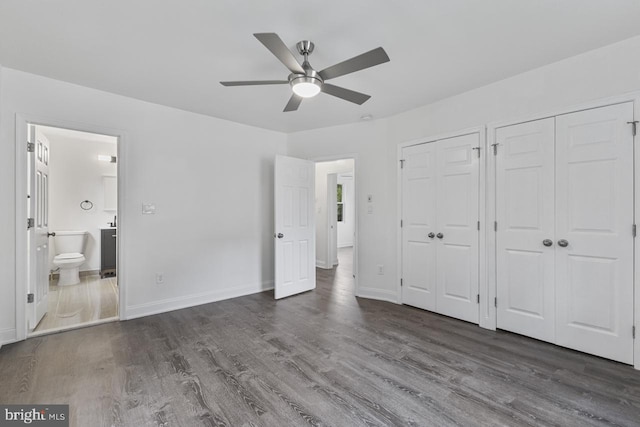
x=564 y=240
x=440 y=192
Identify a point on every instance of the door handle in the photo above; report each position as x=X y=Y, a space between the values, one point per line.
x=114 y=235
x=279 y=235
x=547 y=242
x=51 y=234
x=563 y=243
x=439 y=235
x=432 y=235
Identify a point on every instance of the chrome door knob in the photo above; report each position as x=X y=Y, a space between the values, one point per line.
x=547 y=242
x=280 y=235
x=563 y=243
x=51 y=234
x=432 y=235
x=439 y=235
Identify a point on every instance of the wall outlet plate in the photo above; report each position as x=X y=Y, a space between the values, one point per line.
x=148 y=208
x=159 y=278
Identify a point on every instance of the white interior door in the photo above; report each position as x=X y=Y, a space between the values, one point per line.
x=594 y=202
x=38 y=235
x=295 y=249
x=525 y=214
x=457 y=237
x=419 y=226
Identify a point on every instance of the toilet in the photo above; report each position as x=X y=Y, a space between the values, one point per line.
x=69 y=255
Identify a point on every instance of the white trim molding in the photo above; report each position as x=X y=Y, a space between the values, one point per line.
x=21 y=286
x=178 y=303
x=378 y=294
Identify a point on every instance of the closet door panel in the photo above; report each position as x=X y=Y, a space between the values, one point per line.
x=594 y=199
x=525 y=214
x=457 y=216
x=419 y=218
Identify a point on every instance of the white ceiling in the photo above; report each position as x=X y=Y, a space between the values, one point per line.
x=175 y=52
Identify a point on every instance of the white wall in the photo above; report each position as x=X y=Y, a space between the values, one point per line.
x=211 y=179
x=604 y=72
x=75 y=174
x=347 y=226
x=323 y=169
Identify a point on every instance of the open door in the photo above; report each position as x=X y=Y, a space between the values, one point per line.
x=38 y=233
x=295 y=247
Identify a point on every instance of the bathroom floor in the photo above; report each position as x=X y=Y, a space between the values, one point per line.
x=91 y=300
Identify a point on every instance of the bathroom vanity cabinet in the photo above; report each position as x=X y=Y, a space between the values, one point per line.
x=108 y=252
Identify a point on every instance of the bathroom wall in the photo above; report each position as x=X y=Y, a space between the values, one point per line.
x=322 y=170
x=75 y=175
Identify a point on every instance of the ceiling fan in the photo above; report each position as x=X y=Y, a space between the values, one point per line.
x=307 y=82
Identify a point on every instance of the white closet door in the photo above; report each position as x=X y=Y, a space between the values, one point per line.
x=594 y=202
x=457 y=227
x=419 y=217
x=525 y=214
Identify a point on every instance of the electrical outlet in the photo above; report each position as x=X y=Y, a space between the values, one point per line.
x=381 y=269
x=159 y=278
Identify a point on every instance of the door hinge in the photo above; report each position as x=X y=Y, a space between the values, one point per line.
x=30 y=298
x=401 y=281
x=478 y=298
x=401 y=223
x=477 y=148
x=495 y=302
x=495 y=148
x=634 y=230
x=30 y=223
x=478 y=225
x=402 y=164
x=31 y=147
x=495 y=225
x=634 y=127
x=633 y=332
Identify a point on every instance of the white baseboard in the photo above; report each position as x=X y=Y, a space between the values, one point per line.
x=323 y=265
x=378 y=294
x=171 y=304
x=7 y=336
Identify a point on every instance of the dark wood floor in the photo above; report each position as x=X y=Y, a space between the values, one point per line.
x=321 y=358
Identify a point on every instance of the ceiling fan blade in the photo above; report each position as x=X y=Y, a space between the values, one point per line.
x=255 y=82
x=346 y=94
x=275 y=44
x=293 y=104
x=369 y=59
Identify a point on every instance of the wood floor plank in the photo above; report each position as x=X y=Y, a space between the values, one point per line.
x=320 y=358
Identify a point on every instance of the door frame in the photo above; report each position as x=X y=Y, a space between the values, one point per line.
x=356 y=240
x=21 y=273
x=482 y=210
x=332 y=233
x=634 y=97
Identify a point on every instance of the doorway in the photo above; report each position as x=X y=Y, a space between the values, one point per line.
x=336 y=221
x=71 y=240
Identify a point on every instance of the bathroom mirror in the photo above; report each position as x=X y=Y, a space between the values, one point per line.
x=110 y=184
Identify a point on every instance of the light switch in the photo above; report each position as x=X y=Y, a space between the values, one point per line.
x=148 y=208
x=370 y=210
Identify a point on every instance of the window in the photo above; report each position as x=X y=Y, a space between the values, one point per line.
x=340 y=204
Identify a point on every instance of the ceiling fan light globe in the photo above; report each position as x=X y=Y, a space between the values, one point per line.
x=306 y=87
